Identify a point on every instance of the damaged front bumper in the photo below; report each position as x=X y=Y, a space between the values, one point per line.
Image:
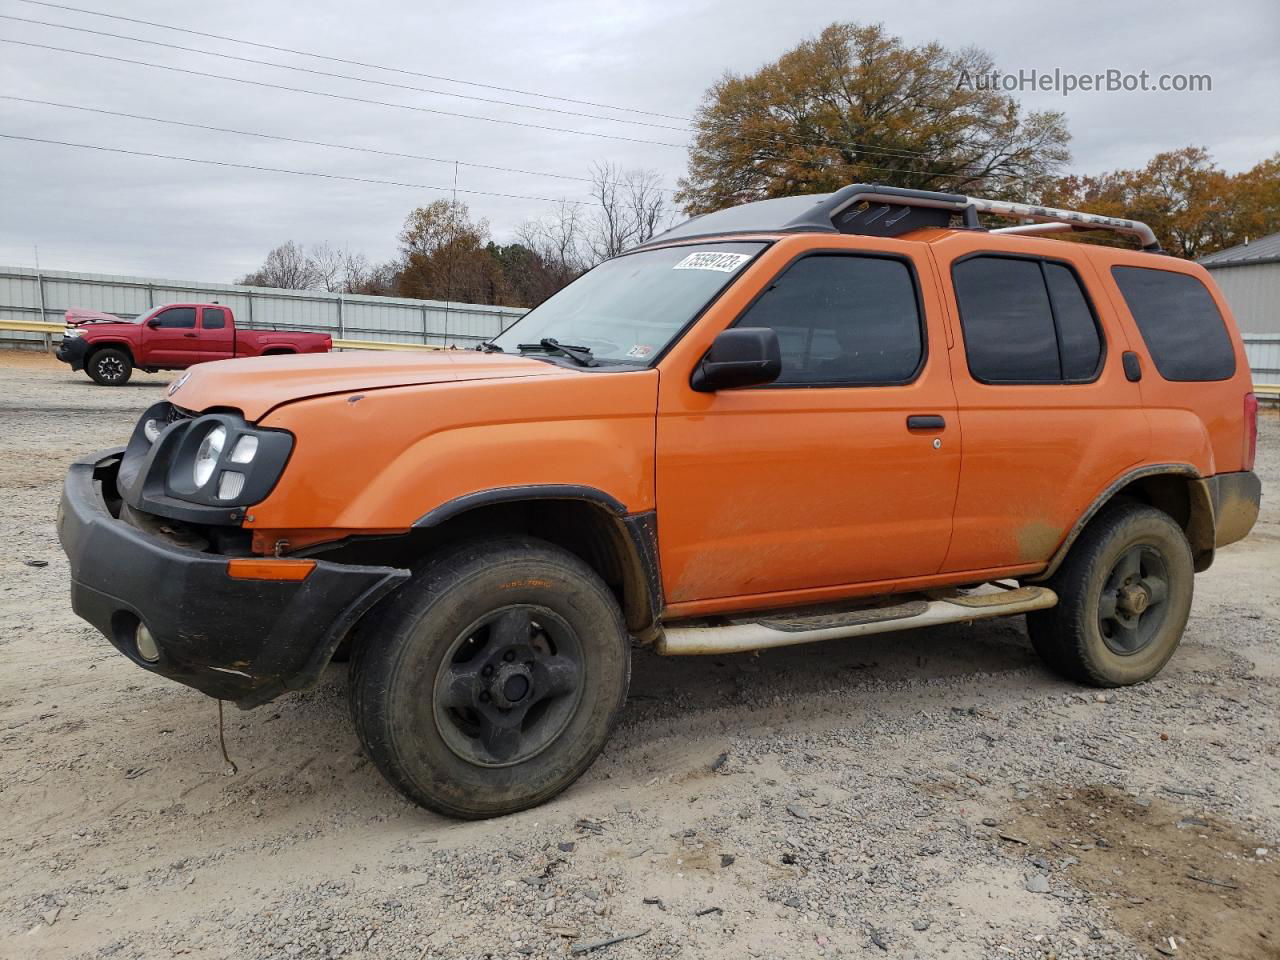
x=234 y=639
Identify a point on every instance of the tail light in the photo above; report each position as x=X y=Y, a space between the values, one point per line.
x=1250 y=430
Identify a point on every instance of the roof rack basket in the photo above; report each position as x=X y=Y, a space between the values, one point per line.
x=872 y=210
x=868 y=208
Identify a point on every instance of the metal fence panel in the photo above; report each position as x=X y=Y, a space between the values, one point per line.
x=387 y=319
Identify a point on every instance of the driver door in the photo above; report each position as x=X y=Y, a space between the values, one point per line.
x=171 y=338
x=843 y=472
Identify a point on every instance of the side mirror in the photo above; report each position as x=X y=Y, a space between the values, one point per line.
x=739 y=357
x=153 y=322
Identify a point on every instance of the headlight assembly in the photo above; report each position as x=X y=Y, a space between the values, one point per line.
x=201 y=469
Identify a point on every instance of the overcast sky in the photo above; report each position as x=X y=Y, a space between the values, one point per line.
x=112 y=213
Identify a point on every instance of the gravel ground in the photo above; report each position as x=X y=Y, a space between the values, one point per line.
x=925 y=794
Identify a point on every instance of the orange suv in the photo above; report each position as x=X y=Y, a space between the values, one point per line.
x=808 y=418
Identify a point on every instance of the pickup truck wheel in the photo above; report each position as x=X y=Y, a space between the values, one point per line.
x=1124 y=597
x=110 y=367
x=492 y=680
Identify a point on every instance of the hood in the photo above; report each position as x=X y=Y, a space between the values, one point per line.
x=256 y=385
x=77 y=317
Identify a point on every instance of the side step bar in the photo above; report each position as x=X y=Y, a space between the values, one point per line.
x=782 y=630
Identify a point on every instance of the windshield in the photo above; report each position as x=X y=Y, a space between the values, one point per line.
x=628 y=309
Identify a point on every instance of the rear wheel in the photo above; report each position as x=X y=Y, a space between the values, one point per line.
x=491 y=681
x=1124 y=597
x=110 y=367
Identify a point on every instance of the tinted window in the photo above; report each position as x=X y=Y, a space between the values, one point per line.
x=843 y=320
x=215 y=318
x=176 y=317
x=1007 y=321
x=1180 y=323
x=1078 y=342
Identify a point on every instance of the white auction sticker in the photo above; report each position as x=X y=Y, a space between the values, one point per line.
x=710 y=260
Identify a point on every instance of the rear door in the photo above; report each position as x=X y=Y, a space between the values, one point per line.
x=171 y=338
x=217 y=335
x=795 y=491
x=1048 y=415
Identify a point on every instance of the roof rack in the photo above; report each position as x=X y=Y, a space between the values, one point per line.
x=873 y=210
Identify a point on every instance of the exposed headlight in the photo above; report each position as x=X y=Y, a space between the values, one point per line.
x=245 y=450
x=72 y=332
x=207 y=456
x=151 y=429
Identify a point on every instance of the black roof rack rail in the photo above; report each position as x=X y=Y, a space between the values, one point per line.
x=873 y=210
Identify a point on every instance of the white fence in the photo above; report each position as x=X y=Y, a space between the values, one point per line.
x=47 y=295
x=28 y=295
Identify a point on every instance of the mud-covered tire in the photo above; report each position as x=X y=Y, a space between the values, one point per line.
x=1103 y=632
x=454 y=723
x=110 y=367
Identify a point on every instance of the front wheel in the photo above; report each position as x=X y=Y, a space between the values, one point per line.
x=110 y=367
x=493 y=679
x=1124 y=597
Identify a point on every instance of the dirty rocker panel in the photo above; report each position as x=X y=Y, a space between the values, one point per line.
x=242 y=640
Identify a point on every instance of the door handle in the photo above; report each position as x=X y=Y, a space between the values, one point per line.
x=191 y=335
x=922 y=421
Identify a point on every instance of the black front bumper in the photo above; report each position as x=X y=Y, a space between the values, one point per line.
x=242 y=640
x=72 y=350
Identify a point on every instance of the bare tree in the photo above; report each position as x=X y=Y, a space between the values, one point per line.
x=329 y=266
x=287 y=267
x=631 y=207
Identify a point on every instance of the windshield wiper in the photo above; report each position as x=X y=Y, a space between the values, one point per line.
x=487 y=347
x=579 y=355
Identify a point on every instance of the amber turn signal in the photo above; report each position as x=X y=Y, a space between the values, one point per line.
x=269 y=568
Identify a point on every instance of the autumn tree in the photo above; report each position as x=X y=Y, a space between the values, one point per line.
x=1193 y=206
x=446 y=256
x=857 y=105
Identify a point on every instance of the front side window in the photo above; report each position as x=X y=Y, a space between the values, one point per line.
x=1025 y=321
x=630 y=308
x=179 y=317
x=1179 y=322
x=843 y=320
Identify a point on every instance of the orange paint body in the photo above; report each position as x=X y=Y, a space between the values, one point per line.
x=764 y=497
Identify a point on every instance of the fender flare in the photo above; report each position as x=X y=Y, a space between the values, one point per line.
x=1200 y=523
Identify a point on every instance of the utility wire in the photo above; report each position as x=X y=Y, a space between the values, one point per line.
x=337 y=96
x=889 y=152
x=296 y=173
x=310 y=143
x=372 y=150
x=343 y=76
x=354 y=63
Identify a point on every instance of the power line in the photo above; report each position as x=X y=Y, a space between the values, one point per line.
x=342 y=76
x=310 y=143
x=355 y=63
x=338 y=96
x=890 y=152
x=296 y=173
x=369 y=150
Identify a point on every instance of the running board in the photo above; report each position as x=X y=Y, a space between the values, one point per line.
x=783 y=630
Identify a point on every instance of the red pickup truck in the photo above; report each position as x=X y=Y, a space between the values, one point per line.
x=172 y=336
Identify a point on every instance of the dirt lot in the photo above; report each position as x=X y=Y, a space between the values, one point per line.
x=928 y=794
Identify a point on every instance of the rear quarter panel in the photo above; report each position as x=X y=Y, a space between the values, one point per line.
x=384 y=458
x=1200 y=422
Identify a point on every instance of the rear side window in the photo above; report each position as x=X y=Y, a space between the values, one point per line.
x=176 y=317
x=1180 y=323
x=843 y=320
x=1026 y=321
x=215 y=318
